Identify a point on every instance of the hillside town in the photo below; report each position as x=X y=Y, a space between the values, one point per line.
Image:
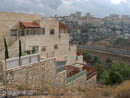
x=63 y=56
x=36 y=54
x=85 y=29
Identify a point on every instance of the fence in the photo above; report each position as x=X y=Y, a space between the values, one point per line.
x=111 y=50
x=69 y=80
x=25 y=60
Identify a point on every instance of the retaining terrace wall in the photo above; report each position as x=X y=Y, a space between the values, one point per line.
x=32 y=76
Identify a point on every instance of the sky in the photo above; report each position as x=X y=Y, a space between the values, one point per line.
x=99 y=8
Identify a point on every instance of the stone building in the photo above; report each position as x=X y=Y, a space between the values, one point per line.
x=46 y=36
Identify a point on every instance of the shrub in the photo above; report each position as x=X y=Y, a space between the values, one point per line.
x=114 y=77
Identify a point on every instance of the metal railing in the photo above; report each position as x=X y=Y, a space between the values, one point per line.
x=69 y=80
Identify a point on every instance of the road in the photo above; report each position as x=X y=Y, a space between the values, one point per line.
x=109 y=50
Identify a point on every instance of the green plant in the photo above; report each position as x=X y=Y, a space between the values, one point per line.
x=6 y=50
x=114 y=77
x=108 y=63
x=20 y=48
x=95 y=61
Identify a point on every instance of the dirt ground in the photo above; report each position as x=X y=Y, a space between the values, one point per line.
x=104 y=55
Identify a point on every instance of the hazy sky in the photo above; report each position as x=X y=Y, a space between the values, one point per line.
x=98 y=8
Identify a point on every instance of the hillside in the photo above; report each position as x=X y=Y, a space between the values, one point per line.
x=103 y=43
x=118 y=43
x=121 y=43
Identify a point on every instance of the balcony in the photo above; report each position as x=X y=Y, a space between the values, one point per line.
x=76 y=76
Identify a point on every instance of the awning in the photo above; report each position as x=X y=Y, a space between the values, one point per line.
x=62 y=25
x=30 y=24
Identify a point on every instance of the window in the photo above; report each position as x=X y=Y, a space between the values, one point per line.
x=31 y=32
x=52 y=31
x=35 y=49
x=42 y=31
x=13 y=32
x=43 y=48
x=34 y=32
x=22 y=32
x=27 y=32
x=55 y=46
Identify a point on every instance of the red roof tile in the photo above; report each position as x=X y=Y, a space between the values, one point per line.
x=30 y=24
x=62 y=25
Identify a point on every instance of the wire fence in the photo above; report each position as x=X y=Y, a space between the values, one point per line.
x=111 y=50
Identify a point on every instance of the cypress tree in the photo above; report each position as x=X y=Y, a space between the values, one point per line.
x=20 y=49
x=6 y=50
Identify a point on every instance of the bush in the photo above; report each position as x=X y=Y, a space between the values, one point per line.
x=114 y=77
x=116 y=74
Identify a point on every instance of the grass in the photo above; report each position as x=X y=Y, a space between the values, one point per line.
x=117 y=91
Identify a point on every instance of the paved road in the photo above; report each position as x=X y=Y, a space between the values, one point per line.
x=110 y=50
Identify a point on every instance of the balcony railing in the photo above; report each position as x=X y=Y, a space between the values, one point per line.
x=69 y=80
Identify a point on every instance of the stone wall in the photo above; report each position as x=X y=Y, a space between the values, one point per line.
x=32 y=76
x=72 y=55
x=61 y=79
x=2 y=67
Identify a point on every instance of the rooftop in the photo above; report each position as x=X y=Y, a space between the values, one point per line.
x=30 y=24
x=62 y=25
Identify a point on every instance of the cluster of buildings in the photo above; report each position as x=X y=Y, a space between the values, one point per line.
x=45 y=48
x=88 y=28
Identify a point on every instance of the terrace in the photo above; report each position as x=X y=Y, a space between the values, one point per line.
x=27 y=28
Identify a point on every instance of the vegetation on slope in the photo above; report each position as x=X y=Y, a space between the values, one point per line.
x=113 y=72
x=121 y=43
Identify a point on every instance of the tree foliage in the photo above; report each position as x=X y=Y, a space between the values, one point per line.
x=116 y=74
x=20 y=48
x=93 y=60
x=6 y=50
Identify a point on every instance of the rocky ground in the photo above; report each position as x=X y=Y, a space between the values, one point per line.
x=115 y=91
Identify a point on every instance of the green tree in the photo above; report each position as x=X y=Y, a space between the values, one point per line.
x=6 y=49
x=89 y=58
x=20 y=48
x=95 y=60
x=100 y=70
x=85 y=54
x=114 y=77
x=125 y=71
x=109 y=62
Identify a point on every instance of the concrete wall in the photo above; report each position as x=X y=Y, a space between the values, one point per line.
x=24 y=60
